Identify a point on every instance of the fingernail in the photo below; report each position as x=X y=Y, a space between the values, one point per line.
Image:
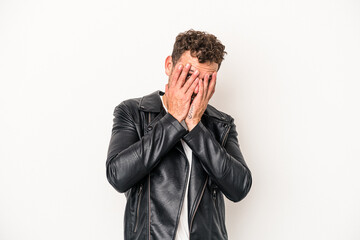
x=187 y=65
x=180 y=66
x=196 y=71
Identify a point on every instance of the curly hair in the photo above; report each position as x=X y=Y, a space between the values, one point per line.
x=204 y=46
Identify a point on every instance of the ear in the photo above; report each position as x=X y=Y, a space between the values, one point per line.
x=168 y=65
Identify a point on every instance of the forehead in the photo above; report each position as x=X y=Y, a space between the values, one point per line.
x=203 y=68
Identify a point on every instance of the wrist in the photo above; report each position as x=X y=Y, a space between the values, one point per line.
x=179 y=118
x=191 y=123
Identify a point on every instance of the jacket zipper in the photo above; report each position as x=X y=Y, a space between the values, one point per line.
x=225 y=137
x=198 y=203
x=203 y=190
x=138 y=207
x=149 y=189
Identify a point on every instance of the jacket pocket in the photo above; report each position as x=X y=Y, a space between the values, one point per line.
x=139 y=196
x=218 y=210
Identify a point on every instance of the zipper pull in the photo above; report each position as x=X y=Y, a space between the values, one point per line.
x=140 y=189
x=214 y=194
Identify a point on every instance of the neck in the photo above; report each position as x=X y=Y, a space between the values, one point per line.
x=165 y=100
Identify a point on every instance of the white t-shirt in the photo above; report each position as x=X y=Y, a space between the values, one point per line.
x=182 y=232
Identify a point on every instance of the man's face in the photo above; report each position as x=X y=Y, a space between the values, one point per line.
x=204 y=68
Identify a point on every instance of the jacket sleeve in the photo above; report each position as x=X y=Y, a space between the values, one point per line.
x=131 y=158
x=224 y=164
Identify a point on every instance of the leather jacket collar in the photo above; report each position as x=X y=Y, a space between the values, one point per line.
x=153 y=103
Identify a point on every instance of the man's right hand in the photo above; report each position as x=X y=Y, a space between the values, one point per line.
x=179 y=91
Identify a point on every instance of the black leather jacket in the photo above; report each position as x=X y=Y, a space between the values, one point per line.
x=147 y=162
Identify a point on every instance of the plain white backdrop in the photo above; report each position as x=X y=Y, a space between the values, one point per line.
x=290 y=79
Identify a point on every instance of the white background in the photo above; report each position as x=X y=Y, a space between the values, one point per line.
x=290 y=79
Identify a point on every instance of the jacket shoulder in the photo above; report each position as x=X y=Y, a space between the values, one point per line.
x=148 y=103
x=129 y=106
x=211 y=111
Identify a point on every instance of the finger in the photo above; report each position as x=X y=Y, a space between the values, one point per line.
x=181 y=80
x=212 y=83
x=212 y=93
x=190 y=81
x=201 y=90
x=196 y=91
x=199 y=97
x=206 y=84
x=192 y=87
x=174 y=77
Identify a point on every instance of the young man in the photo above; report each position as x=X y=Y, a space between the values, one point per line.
x=173 y=155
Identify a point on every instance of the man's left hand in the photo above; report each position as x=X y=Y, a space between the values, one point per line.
x=201 y=100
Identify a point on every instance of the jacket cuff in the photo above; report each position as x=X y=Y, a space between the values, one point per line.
x=174 y=122
x=195 y=132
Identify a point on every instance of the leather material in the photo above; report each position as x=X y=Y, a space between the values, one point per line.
x=146 y=161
